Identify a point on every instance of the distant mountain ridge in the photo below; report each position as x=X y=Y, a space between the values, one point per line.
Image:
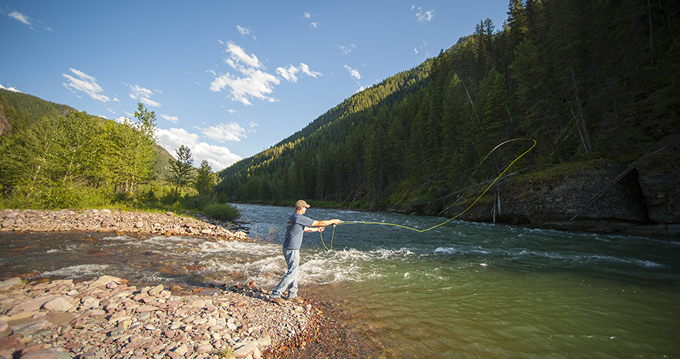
x=35 y=106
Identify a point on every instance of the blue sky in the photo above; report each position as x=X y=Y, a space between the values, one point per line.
x=227 y=78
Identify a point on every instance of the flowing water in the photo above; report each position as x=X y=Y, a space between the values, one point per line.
x=461 y=290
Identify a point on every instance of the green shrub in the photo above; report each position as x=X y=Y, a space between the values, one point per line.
x=223 y=197
x=222 y=211
x=55 y=195
x=121 y=197
x=195 y=202
x=169 y=198
x=148 y=196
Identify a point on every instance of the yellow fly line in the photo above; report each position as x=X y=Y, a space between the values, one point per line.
x=459 y=214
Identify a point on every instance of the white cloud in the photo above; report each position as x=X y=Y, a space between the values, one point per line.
x=254 y=83
x=238 y=55
x=19 y=16
x=347 y=49
x=313 y=25
x=232 y=111
x=252 y=125
x=224 y=132
x=173 y=138
x=306 y=71
x=143 y=95
x=423 y=16
x=307 y=15
x=242 y=30
x=289 y=73
x=415 y=50
x=9 y=89
x=218 y=157
x=173 y=119
x=85 y=83
x=354 y=73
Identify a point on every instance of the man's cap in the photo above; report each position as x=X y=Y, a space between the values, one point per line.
x=301 y=203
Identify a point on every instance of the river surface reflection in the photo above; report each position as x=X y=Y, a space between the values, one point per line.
x=459 y=290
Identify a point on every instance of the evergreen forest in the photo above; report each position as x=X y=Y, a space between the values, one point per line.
x=584 y=79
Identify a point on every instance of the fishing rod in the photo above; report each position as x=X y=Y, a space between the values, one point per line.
x=459 y=214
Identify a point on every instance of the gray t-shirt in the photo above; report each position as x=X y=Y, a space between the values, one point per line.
x=294 y=230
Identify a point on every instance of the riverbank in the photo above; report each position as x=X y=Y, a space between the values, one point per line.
x=107 y=318
x=105 y=220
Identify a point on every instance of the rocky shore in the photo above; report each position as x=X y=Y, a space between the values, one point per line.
x=107 y=318
x=116 y=221
x=110 y=318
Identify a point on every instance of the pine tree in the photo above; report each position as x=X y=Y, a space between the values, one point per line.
x=180 y=169
x=205 y=180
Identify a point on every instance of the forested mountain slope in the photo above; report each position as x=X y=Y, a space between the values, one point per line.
x=593 y=83
x=24 y=109
x=54 y=155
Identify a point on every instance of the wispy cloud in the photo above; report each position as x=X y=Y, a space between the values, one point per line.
x=313 y=25
x=420 y=48
x=423 y=16
x=306 y=71
x=173 y=119
x=347 y=49
x=354 y=73
x=28 y=21
x=143 y=95
x=252 y=82
x=85 y=83
x=239 y=59
x=224 y=132
x=289 y=72
x=307 y=15
x=21 y=17
x=242 y=30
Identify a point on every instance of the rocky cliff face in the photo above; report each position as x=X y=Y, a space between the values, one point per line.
x=589 y=196
x=660 y=183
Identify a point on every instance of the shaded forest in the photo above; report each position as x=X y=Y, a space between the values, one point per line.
x=584 y=79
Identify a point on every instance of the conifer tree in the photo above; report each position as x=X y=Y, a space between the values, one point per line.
x=205 y=180
x=180 y=168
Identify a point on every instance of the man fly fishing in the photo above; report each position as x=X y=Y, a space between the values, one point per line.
x=297 y=224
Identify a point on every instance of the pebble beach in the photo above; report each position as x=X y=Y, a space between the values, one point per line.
x=106 y=220
x=108 y=317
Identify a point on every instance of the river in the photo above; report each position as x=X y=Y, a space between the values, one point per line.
x=461 y=290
